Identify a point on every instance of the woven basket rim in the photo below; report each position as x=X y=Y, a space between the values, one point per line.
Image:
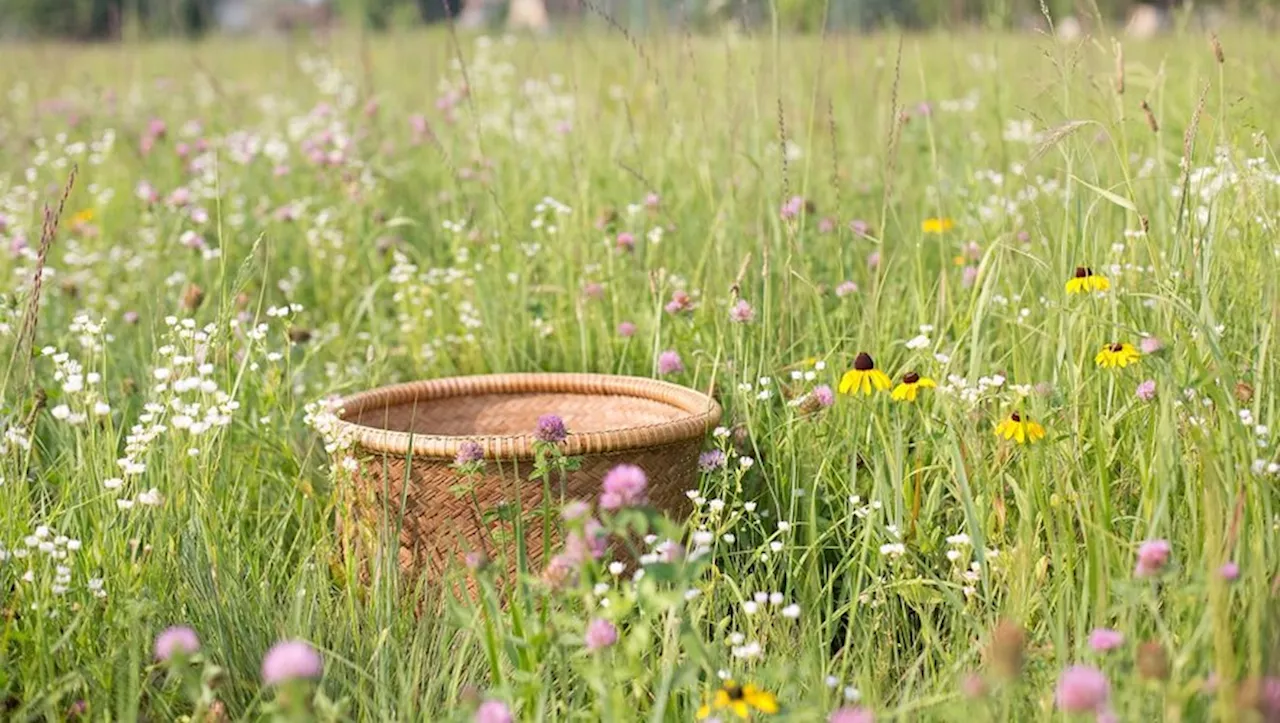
x=702 y=413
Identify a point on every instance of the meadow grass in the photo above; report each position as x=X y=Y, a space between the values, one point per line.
x=335 y=217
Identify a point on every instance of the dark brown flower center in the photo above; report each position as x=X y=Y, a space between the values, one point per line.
x=1117 y=347
x=863 y=362
x=1083 y=271
x=910 y=378
x=734 y=692
x=1015 y=417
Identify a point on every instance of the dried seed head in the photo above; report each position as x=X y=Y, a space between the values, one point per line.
x=193 y=298
x=1217 y=50
x=1151 y=117
x=1119 y=69
x=1244 y=392
x=1008 y=647
x=1152 y=661
x=299 y=335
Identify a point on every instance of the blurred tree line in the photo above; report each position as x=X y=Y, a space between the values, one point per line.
x=104 y=19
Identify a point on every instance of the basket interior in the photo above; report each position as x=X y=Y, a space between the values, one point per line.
x=515 y=413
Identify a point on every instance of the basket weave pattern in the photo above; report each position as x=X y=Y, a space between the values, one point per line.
x=408 y=435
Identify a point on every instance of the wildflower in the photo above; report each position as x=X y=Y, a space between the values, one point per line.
x=739 y=700
x=1082 y=689
x=1103 y=639
x=493 y=711
x=469 y=452
x=626 y=241
x=937 y=225
x=1150 y=345
x=1022 y=431
x=911 y=385
x=1146 y=391
x=626 y=330
x=851 y=714
x=968 y=277
x=551 y=429
x=178 y=641
x=290 y=660
x=590 y=543
x=826 y=224
x=742 y=313
x=859 y=227
x=1085 y=281
x=1116 y=355
x=669 y=362
x=824 y=396
x=1153 y=555
x=680 y=302
x=792 y=207
x=711 y=460
x=600 y=634
x=873 y=260
x=82 y=217
x=863 y=376
x=973 y=686
x=845 y=288
x=624 y=486
x=593 y=290
x=1229 y=572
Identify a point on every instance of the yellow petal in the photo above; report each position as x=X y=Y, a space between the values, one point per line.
x=927 y=383
x=899 y=392
x=740 y=709
x=880 y=379
x=1020 y=433
x=849 y=382
x=704 y=712
x=762 y=701
x=864 y=383
x=1037 y=432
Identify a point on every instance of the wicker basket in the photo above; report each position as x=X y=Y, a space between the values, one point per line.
x=408 y=435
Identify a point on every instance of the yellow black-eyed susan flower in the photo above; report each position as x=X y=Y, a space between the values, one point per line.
x=1085 y=281
x=910 y=386
x=739 y=700
x=937 y=225
x=1117 y=355
x=1022 y=431
x=863 y=376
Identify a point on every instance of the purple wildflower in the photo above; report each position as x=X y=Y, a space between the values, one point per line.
x=1229 y=572
x=1146 y=391
x=845 y=288
x=792 y=208
x=859 y=227
x=600 y=634
x=652 y=201
x=623 y=486
x=493 y=711
x=1103 y=639
x=680 y=302
x=291 y=660
x=742 y=313
x=626 y=241
x=1082 y=689
x=575 y=510
x=593 y=290
x=826 y=224
x=873 y=260
x=1150 y=345
x=626 y=330
x=1153 y=555
x=590 y=543
x=851 y=714
x=179 y=641
x=469 y=452
x=711 y=460
x=968 y=277
x=669 y=362
x=551 y=429
x=825 y=396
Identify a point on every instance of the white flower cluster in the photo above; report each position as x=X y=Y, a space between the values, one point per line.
x=49 y=560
